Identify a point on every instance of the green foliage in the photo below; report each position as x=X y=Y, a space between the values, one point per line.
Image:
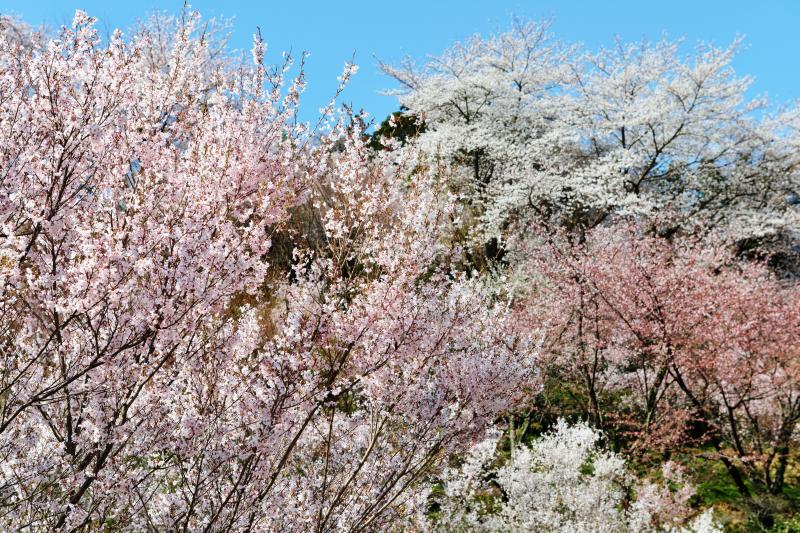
x=792 y=525
x=399 y=125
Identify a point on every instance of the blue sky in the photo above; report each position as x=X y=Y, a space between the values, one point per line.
x=331 y=31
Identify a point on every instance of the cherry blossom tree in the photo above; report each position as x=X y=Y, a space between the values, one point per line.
x=668 y=343
x=158 y=372
x=564 y=481
x=551 y=132
x=483 y=100
x=18 y=32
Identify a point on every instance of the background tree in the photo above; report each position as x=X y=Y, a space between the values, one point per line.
x=544 y=131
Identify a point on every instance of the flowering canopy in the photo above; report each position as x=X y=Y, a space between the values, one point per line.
x=158 y=371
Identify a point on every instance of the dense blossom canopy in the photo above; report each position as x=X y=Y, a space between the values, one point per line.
x=564 y=482
x=545 y=129
x=215 y=318
x=158 y=371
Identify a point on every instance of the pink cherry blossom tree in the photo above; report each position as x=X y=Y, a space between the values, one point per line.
x=668 y=343
x=158 y=372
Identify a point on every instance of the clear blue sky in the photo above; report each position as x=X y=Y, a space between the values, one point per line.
x=332 y=31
